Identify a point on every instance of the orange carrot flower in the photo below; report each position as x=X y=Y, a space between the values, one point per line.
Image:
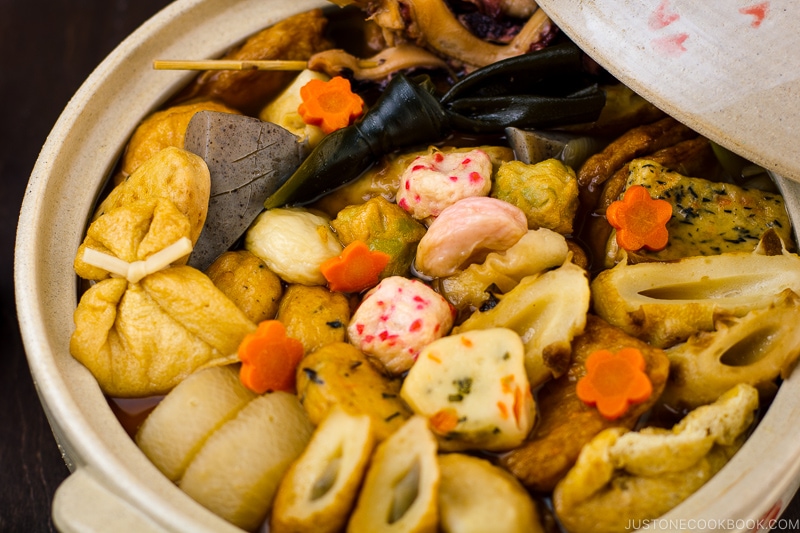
x=640 y=221
x=355 y=269
x=269 y=359
x=330 y=105
x=614 y=381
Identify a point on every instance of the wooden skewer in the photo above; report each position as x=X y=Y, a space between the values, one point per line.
x=230 y=64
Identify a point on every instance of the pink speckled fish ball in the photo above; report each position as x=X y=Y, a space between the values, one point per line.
x=398 y=318
x=434 y=181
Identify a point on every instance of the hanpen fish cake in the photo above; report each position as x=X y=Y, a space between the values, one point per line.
x=473 y=388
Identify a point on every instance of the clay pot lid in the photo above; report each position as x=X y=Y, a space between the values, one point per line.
x=729 y=70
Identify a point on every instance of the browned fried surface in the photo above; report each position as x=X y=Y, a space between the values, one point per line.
x=161 y=130
x=566 y=423
x=637 y=142
x=248 y=282
x=295 y=38
x=691 y=157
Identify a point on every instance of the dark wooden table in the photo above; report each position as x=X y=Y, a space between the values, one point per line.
x=47 y=49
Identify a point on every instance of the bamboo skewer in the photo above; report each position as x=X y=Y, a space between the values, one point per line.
x=230 y=64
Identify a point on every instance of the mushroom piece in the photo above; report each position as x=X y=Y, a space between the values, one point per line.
x=518 y=8
x=389 y=60
x=431 y=24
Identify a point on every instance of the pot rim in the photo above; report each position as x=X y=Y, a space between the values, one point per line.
x=79 y=154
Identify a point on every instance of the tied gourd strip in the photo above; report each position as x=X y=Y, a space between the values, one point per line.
x=137 y=270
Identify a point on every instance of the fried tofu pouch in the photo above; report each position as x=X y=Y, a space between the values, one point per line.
x=161 y=130
x=622 y=476
x=173 y=174
x=142 y=338
x=566 y=423
x=294 y=38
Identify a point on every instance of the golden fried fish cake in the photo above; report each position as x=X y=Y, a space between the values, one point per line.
x=566 y=423
x=295 y=38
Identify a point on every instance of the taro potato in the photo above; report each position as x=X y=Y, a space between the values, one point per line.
x=385 y=227
x=248 y=282
x=160 y=130
x=294 y=38
x=293 y=242
x=314 y=315
x=340 y=374
x=476 y=496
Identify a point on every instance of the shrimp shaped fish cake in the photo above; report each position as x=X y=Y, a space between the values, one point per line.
x=466 y=233
x=435 y=181
x=397 y=319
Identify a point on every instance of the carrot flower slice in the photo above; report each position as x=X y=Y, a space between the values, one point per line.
x=355 y=269
x=614 y=381
x=269 y=359
x=331 y=105
x=640 y=221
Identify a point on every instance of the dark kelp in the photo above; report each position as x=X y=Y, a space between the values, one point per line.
x=406 y=114
x=541 y=89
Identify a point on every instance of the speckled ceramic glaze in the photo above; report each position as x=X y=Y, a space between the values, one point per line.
x=113 y=482
x=730 y=70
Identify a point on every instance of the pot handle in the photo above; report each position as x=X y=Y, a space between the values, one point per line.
x=82 y=504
